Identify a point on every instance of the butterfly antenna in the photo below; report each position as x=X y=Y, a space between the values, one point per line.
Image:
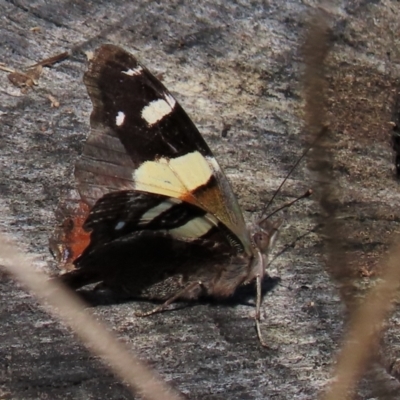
x=308 y=193
x=323 y=131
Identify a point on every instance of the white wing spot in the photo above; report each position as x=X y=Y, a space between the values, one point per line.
x=158 y=210
x=170 y=100
x=133 y=72
x=119 y=120
x=158 y=109
x=214 y=164
x=120 y=225
x=194 y=228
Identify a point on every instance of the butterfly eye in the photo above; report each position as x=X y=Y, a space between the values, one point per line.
x=265 y=238
x=262 y=241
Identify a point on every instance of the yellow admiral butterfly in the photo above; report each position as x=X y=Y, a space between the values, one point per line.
x=155 y=216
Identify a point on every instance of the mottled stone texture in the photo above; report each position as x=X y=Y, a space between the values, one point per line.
x=231 y=64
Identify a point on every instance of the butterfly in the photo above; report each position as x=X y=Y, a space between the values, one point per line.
x=154 y=214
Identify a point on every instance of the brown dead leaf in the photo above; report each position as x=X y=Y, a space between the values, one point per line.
x=21 y=80
x=53 y=101
x=25 y=79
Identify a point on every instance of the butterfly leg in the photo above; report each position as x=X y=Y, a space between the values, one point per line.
x=175 y=297
x=259 y=280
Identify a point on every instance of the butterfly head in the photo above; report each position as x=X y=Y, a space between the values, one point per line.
x=265 y=234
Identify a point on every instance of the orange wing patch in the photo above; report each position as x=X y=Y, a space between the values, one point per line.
x=69 y=239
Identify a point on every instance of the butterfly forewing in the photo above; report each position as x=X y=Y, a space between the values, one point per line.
x=142 y=140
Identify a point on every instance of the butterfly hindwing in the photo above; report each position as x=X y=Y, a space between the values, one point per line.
x=119 y=214
x=149 y=245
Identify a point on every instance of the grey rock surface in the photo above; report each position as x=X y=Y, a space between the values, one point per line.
x=227 y=62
